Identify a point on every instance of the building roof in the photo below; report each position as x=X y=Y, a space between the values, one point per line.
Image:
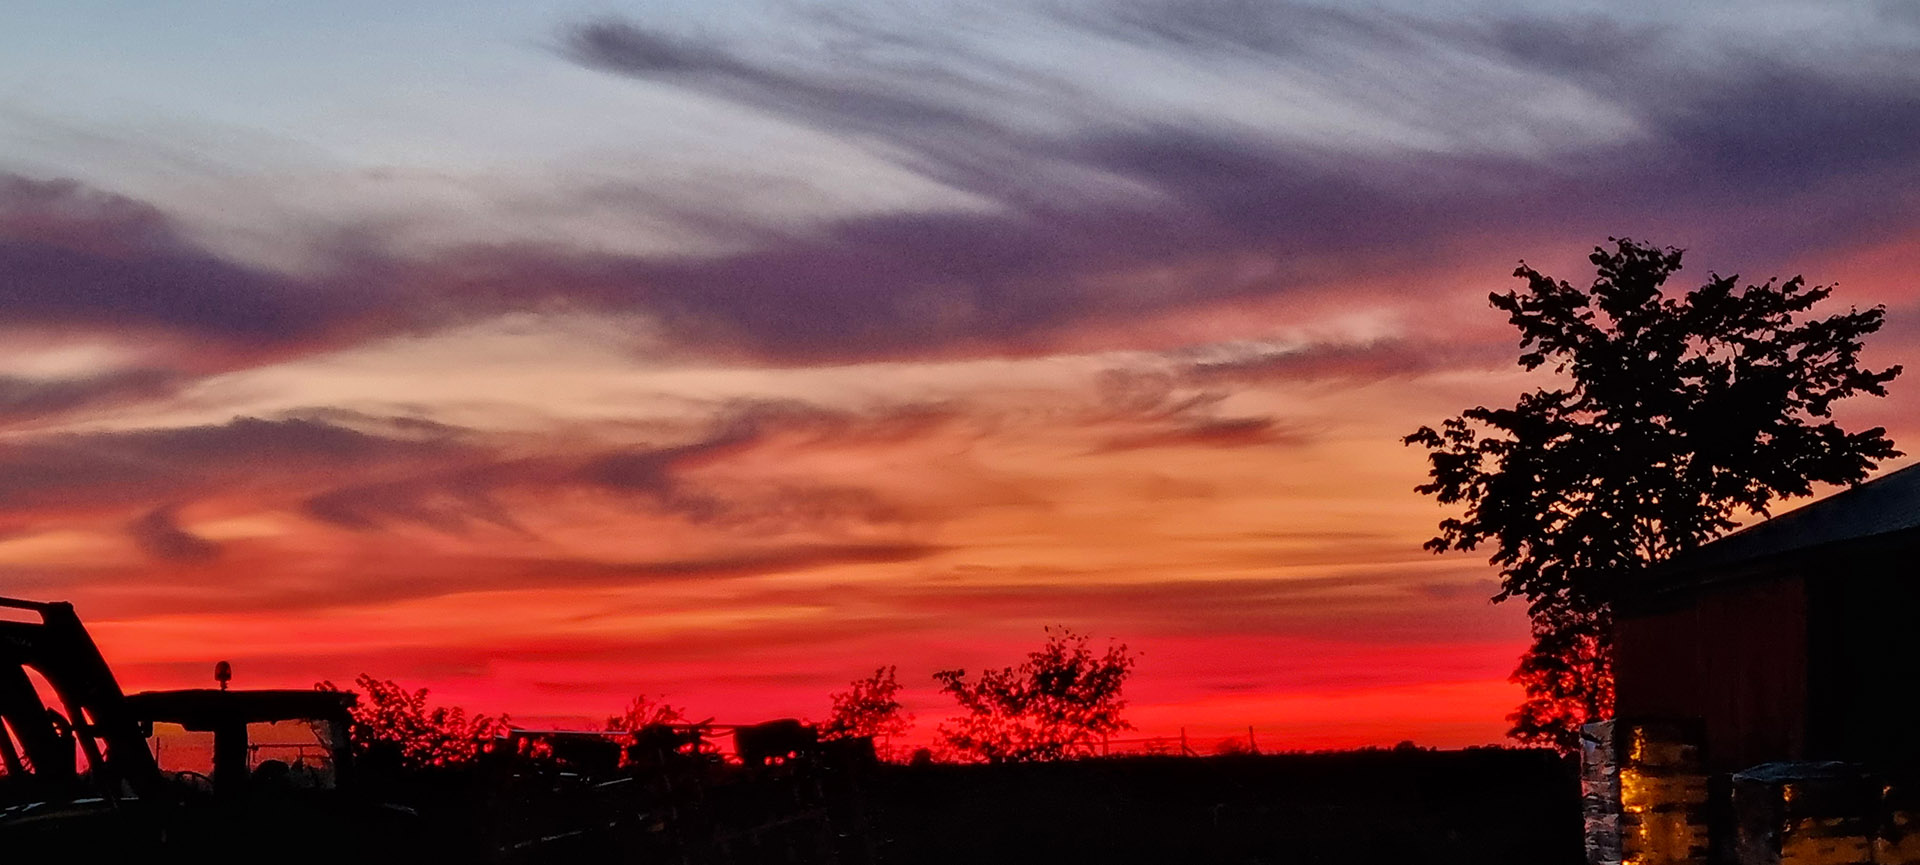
x=1886 y=504
x=204 y=709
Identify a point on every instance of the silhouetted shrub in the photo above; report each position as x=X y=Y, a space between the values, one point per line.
x=395 y=726
x=1056 y=704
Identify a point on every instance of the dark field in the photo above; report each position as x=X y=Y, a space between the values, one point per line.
x=1483 y=807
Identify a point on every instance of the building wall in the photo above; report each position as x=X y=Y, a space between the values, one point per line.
x=1735 y=657
x=1864 y=630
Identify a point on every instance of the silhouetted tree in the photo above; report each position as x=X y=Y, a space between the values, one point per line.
x=396 y=724
x=1056 y=704
x=1567 y=674
x=643 y=711
x=870 y=707
x=1670 y=418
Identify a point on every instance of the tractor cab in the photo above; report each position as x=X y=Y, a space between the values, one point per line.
x=248 y=743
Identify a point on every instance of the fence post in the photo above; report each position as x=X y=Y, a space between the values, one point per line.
x=1252 y=746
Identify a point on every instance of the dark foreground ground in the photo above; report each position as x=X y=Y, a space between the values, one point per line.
x=1483 y=807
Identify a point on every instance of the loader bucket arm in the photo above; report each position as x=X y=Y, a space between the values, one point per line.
x=91 y=704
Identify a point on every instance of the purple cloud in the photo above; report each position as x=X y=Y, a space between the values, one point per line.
x=652 y=476
x=81 y=471
x=71 y=256
x=1755 y=158
x=25 y=399
x=160 y=535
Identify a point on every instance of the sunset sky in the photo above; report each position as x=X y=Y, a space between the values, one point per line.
x=548 y=353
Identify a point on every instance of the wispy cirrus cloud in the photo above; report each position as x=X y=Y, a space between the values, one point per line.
x=1473 y=116
x=89 y=471
x=742 y=469
x=1249 y=363
x=40 y=398
x=1552 y=129
x=79 y=258
x=655 y=476
x=204 y=577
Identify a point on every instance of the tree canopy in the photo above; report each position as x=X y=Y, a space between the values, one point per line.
x=1056 y=704
x=870 y=708
x=1669 y=418
x=396 y=724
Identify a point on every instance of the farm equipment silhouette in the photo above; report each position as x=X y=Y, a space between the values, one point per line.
x=670 y=793
x=80 y=783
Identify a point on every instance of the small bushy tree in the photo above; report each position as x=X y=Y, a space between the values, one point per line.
x=870 y=708
x=1056 y=704
x=396 y=724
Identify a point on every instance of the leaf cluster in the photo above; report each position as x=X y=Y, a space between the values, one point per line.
x=642 y=712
